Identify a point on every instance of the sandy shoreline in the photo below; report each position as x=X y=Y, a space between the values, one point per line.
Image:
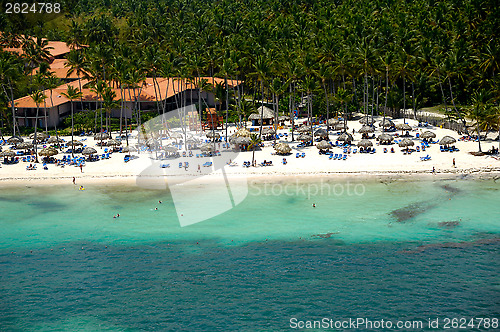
x=359 y=176
x=312 y=167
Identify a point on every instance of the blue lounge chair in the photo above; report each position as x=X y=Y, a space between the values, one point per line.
x=303 y=154
x=331 y=156
x=180 y=165
x=297 y=155
x=345 y=157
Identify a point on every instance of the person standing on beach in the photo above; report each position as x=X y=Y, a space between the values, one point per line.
x=81 y=168
x=74 y=180
x=454 y=162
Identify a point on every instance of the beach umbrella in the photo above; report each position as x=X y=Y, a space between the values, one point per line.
x=113 y=142
x=24 y=145
x=39 y=136
x=268 y=131
x=447 y=140
x=8 y=153
x=129 y=149
x=101 y=136
x=283 y=118
x=89 y=151
x=177 y=136
x=333 y=122
x=323 y=145
x=282 y=148
x=365 y=143
x=428 y=134
x=207 y=147
x=15 y=140
x=48 y=152
x=54 y=139
x=339 y=126
x=263 y=112
x=386 y=123
x=212 y=134
x=367 y=121
x=304 y=129
x=385 y=138
x=403 y=126
x=366 y=129
x=75 y=143
x=243 y=132
x=321 y=133
x=170 y=149
x=241 y=140
x=406 y=142
x=192 y=141
x=304 y=137
x=345 y=137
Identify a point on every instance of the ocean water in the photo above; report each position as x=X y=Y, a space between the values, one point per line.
x=397 y=251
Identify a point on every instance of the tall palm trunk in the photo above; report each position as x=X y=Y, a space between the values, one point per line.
x=456 y=110
x=36 y=138
x=72 y=128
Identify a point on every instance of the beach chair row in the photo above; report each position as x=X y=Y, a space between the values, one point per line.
x=337 y=156
x=300 y=155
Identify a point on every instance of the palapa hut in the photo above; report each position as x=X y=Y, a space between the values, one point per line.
x=385 y=139
x=321 y=133
x=366 y=129
x=323 y=145
x=15 y=140
x=304 y=137
x=345 y=137
x=428 y=135
x=129 y=149
x=367 y=121
x=282 y=149
x=447 y=140
x=406 y=143
x=243 y=132
x=364 y=143
x=386 y=123
x=264 y=114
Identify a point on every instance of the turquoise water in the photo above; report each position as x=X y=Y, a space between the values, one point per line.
x=394 y=251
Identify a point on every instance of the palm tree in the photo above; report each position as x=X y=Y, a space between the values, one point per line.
x=10 y=72
x=38 y=97
x=481 y=105
x=72 y=94
x=254 y=141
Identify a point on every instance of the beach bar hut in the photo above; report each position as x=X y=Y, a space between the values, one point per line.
x=264 y=114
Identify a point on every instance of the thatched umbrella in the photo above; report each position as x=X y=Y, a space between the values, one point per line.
x=113 y=142
x=207 y=147
x=304 y=137
x=212 y=135
x=367 y=121
x=333 y=122
x=54 y=139
x=170 y=149
x=7 y=153
x=385 y=138
x=243 y=132
x=366 y=129
x=403 y=126
x=101 y=136
x=386 y=123
x=428 y=134
x=75 y=143
x=304 y=129
x=447 y=140
x=339 y=126
x=129 y=149
x=39 y=136
x=321 y=133
x=282 y=148
x=406 y=142
x=365 y=143
x=241 y=140
x=24 y=145
x=48 y=152
x=89 y=151
x=15 y=140
x=263 y=112
x=323 y=145
x=283 y=118
x=268 y=131
x=345 y=137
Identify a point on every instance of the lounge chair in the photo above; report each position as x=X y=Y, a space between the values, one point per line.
x=344 y=157
x=180 y=165
x=297 y=155
x=303 y=154
x=207 y=164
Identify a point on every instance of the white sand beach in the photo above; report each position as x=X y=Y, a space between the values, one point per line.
x=313 y=164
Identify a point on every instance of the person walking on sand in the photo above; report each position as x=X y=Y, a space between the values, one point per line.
x=81 y=168
x=454 y=162
x=199 y=169
x=74 y=180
